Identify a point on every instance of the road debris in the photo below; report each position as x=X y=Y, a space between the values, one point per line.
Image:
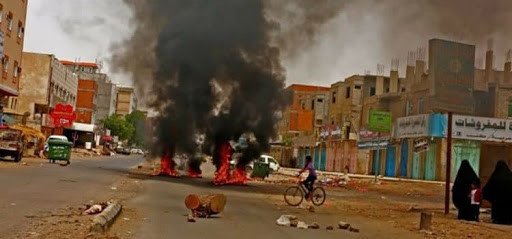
x=95 y=209
x=286 y=220
x=329 y=228
x=205 y=205
x=343 y=225
x=353 y=229
x=311 y=209
x=314 y=225
x=302 y=225
x=190 y=218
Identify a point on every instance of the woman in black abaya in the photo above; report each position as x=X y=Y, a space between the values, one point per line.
x=462 y=188
x=498 y=191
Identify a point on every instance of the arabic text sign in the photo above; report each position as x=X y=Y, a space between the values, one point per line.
x=412 y=126
x=482 y=128
x=330 y=132
x=367 y=135
x=380 y=121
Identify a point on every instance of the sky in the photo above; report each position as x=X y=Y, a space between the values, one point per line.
x=77 y=29
x=361 y=35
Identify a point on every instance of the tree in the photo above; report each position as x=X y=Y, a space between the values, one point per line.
x=137 y=120
x=119 y=127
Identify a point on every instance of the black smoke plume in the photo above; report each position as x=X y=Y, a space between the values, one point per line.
x=212 y=71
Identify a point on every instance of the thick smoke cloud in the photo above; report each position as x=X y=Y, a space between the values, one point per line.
x=362 y=33
x=211 y=70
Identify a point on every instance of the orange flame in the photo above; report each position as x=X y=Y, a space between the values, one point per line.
x=239 y=176
x=222 y=174
x=193 y=174
x=167 y=167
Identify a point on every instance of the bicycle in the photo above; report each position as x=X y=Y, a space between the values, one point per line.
x=294 y=195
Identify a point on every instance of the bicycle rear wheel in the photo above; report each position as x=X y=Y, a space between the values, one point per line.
x=293 y=196
x=318 y=196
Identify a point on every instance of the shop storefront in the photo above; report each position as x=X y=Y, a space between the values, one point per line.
x=482 y=141
x=377 y=145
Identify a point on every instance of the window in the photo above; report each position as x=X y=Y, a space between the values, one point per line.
x=20 y=29
x=509 y=108
x=303 y=105
x=408 y=108
x=15 y=70
x=421 y=105
x=347 y=93
x=334 y=97
x=313 y=104
x=5 y=63
x=9 y=21
x=1 y=12
x=320 y=100
x=372 y=91
x=357 y=87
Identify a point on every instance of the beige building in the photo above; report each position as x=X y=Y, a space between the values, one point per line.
x=45 y=83
x=12 y=28
x=126 y=101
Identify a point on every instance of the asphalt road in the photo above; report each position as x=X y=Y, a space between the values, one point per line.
x=248 y=213
x=42 y=187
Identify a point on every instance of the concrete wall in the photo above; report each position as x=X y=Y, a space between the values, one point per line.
x=34 y=84
x=503 y=96
x=63 y=83
x=124 y=101
x=12 y=45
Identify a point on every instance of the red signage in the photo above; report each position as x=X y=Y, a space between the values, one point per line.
x=63 y=115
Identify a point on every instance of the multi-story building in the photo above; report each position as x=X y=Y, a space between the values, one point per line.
x=126 y=100
x=302 y=120
x=104 y=98
x=86 y=101
x=12 y=28
x=44 y=84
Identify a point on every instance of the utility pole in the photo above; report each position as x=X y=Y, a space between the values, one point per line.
x=448 y=165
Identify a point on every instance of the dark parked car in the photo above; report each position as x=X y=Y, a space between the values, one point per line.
x=119 y=150
x=127 y=151
x=11 y=143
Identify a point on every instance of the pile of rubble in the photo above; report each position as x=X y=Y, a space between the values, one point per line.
x=293 y=221
x=86 y=153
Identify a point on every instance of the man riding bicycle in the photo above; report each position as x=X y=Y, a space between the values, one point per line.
x=310 y=180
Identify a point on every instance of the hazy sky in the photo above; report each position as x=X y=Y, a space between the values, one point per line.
x=363 y=34
x=76 y=29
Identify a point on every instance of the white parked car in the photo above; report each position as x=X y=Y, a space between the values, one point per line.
x=137 y=151
x=273 y=164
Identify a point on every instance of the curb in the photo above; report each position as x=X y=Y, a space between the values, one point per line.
x=102 y=221
x=292 y=171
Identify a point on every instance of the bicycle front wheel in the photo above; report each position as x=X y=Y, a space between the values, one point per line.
x=318 y=196
x=293 y=196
